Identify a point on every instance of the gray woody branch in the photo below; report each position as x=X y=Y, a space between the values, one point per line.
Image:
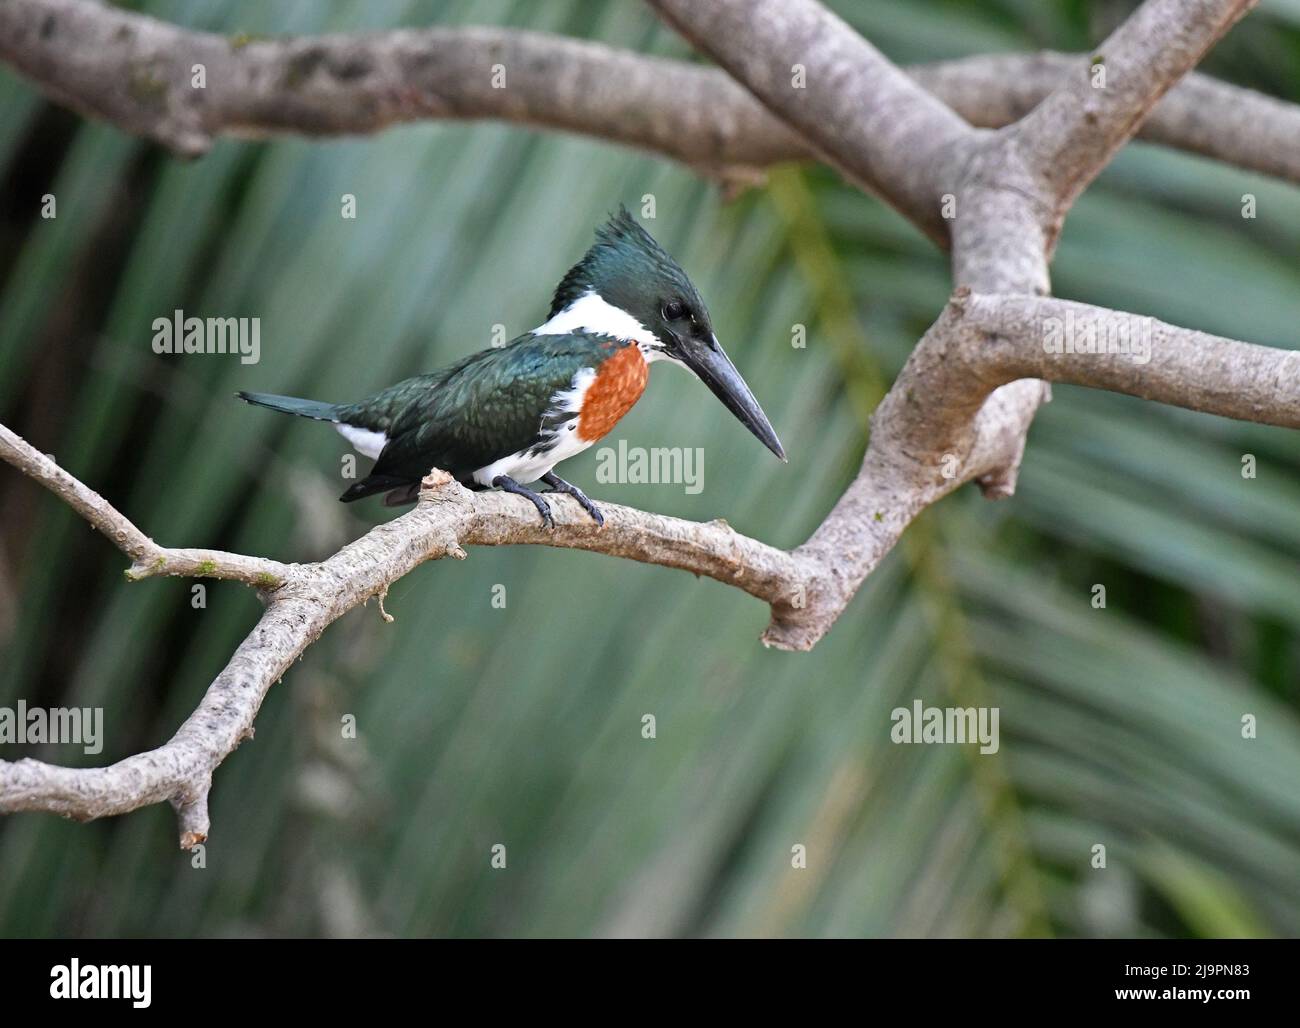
x=1077 y=129
x=76 y=51
x=958 y=412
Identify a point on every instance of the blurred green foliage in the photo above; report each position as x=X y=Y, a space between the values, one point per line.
x=522 y=725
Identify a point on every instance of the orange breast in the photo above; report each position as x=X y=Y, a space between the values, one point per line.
x=618 y=384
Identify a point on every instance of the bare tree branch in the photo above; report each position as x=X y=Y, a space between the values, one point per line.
x=1017 y=184
x=179 y=771
x=951 y=417
x=859 y=111
x=1013 y=192
x=713 y=549
x=148 y=558
x=1062 y=341
x=1077 y=129
x=309 y=597
x=136 y=72
x=1199 y=114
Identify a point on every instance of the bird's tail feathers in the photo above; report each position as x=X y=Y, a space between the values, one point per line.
x=313 y=409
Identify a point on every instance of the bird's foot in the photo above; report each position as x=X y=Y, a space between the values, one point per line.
x=509 y=485
x=559 y=485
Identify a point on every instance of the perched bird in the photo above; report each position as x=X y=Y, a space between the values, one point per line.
x=508 y=415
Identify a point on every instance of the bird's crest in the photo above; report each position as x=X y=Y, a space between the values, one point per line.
x=624 y=253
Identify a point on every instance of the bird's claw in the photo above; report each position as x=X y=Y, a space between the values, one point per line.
x=586 y=504
x=559 y=485
x=509 y=485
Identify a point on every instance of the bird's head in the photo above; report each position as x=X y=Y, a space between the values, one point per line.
x=628 y=286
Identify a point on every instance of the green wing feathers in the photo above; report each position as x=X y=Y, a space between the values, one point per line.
x=465 y=416
x=487 y=407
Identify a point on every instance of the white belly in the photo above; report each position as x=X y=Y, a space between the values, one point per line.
x=526 y=466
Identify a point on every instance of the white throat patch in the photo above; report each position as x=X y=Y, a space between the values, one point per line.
x=590 y=313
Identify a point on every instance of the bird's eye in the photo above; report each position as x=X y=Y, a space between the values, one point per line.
x=673 y=310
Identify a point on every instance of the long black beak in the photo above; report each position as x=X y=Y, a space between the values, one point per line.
x=717 y=372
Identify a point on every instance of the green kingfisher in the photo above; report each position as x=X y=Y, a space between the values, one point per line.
x=507 y=415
